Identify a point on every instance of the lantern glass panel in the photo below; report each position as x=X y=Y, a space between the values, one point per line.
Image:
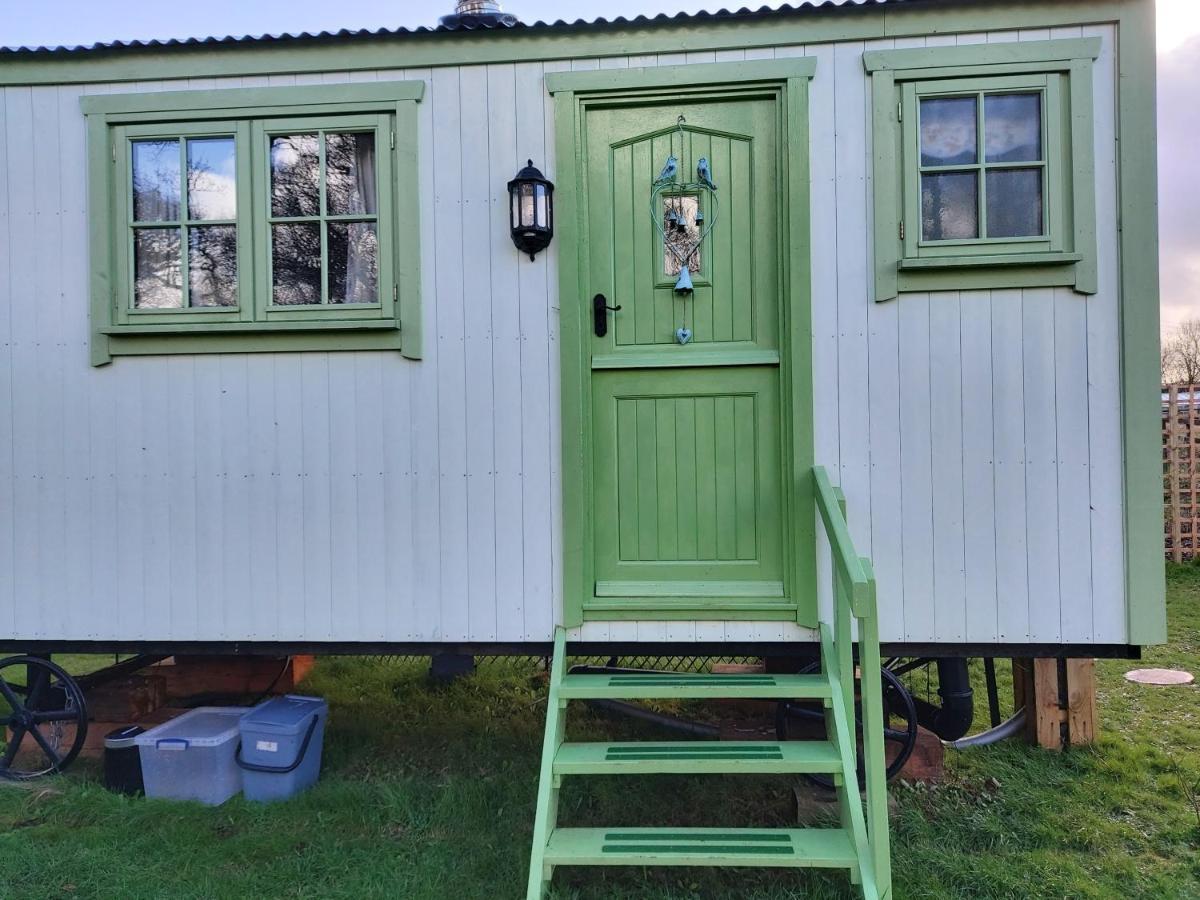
x=527 y=205
x=543 y=206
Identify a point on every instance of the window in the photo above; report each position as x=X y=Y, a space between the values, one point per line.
x=983 y=169
x=254 y=219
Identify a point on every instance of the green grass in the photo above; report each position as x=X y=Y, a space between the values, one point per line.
x=428 y=794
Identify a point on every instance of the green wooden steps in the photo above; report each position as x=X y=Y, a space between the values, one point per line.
x=860 y=845
x=693 y=686
x=699 y=758
x=774 y=847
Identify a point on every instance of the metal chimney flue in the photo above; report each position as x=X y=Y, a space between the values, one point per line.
x=478 y=14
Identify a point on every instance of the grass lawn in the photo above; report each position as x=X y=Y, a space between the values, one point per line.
x=428 y=794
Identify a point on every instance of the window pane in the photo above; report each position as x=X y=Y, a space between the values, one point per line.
x=949 y=206
x=1012 y=127
x=1014 y=203
x=212 y=265
x=350 y=174
x=948 y=131
x=157 y=269
x=296 y=264
x=353 y=262
x=156 y=181
x=681 y=233
x=295 y=175
x=210 y=179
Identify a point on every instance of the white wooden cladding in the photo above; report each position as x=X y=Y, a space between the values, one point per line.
x=365 y=497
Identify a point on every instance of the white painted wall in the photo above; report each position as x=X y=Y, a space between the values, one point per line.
x=365 y=497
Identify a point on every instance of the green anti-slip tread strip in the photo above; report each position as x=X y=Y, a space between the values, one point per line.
x=753 y=844
x=691 y=679
x=695 y=747
x=700 y=848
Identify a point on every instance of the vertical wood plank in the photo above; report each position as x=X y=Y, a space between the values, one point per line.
x=482 y=404
x=1041 y=465
x=1008 y=439
x=451 y=387
x=946 y=402
x=508 y=421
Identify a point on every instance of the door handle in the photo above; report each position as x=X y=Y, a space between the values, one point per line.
x=600 y=311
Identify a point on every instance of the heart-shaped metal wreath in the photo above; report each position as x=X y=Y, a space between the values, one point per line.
x=668 y=184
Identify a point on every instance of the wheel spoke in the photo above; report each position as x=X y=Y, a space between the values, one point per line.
x=9 y=696
x=895 y=734
x=58 y=715
x=14 y=744
x=47 y=748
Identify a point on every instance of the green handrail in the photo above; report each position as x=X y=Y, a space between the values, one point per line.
x=848 y=566
x=854 y=595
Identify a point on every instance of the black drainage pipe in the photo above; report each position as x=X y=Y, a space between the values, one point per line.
x=953 y=718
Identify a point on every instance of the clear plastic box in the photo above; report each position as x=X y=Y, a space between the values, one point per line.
x=192 y=757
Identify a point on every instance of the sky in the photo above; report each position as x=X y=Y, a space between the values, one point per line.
x=67 y=22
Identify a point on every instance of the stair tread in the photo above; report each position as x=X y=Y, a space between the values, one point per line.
x=697 y=757
x=694 y=686
x=773 y=847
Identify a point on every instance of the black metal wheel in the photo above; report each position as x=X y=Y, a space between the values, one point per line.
x=43 y=716
x=798 y=719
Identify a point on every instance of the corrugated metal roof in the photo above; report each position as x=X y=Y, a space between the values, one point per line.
x=803 y=7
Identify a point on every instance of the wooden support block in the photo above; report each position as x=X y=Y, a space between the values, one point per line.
x=301 y=666
x=1081 y=701
x=191 y=676
x=1056 y=715
x=928 y=760
x=126 y=699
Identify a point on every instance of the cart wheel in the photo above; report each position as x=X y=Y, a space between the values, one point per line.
x=42 y=709
x=791 y=717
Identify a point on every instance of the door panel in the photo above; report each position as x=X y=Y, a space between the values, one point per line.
x=689 y=477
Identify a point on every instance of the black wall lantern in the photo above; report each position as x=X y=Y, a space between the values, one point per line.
x=531 y=213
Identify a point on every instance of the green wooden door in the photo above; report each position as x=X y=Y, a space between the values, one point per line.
x=689 y=442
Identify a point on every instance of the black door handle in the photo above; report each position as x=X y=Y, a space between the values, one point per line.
x=600 y=311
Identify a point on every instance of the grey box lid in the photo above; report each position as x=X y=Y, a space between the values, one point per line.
x=289 y=714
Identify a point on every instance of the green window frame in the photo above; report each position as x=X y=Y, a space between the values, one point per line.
x=252 y=118
x=1059 y=73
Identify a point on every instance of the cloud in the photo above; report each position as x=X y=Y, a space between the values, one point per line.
x=1179 y=186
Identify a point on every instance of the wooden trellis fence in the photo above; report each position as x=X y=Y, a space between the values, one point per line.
x=1181 y=469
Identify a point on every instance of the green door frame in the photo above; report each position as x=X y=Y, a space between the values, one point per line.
x=787 y=81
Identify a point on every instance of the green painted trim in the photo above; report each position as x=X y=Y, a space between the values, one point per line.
x=252 y=102
x=1066 y=254
x=917 y=58
x=99 y=211
x=523 y=45
x=388 y=108
x=797 y=377
x=673 y=357
x=406 y=227
x=575 y=403
x=1145 y=578
x=256 y=342
x=990 y=260
x=695 y=75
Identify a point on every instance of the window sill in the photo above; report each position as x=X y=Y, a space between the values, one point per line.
x=989 y=261
x=166 y=329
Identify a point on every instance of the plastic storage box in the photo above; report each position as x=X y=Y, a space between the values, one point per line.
x=281 y=747
x=192 y=757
